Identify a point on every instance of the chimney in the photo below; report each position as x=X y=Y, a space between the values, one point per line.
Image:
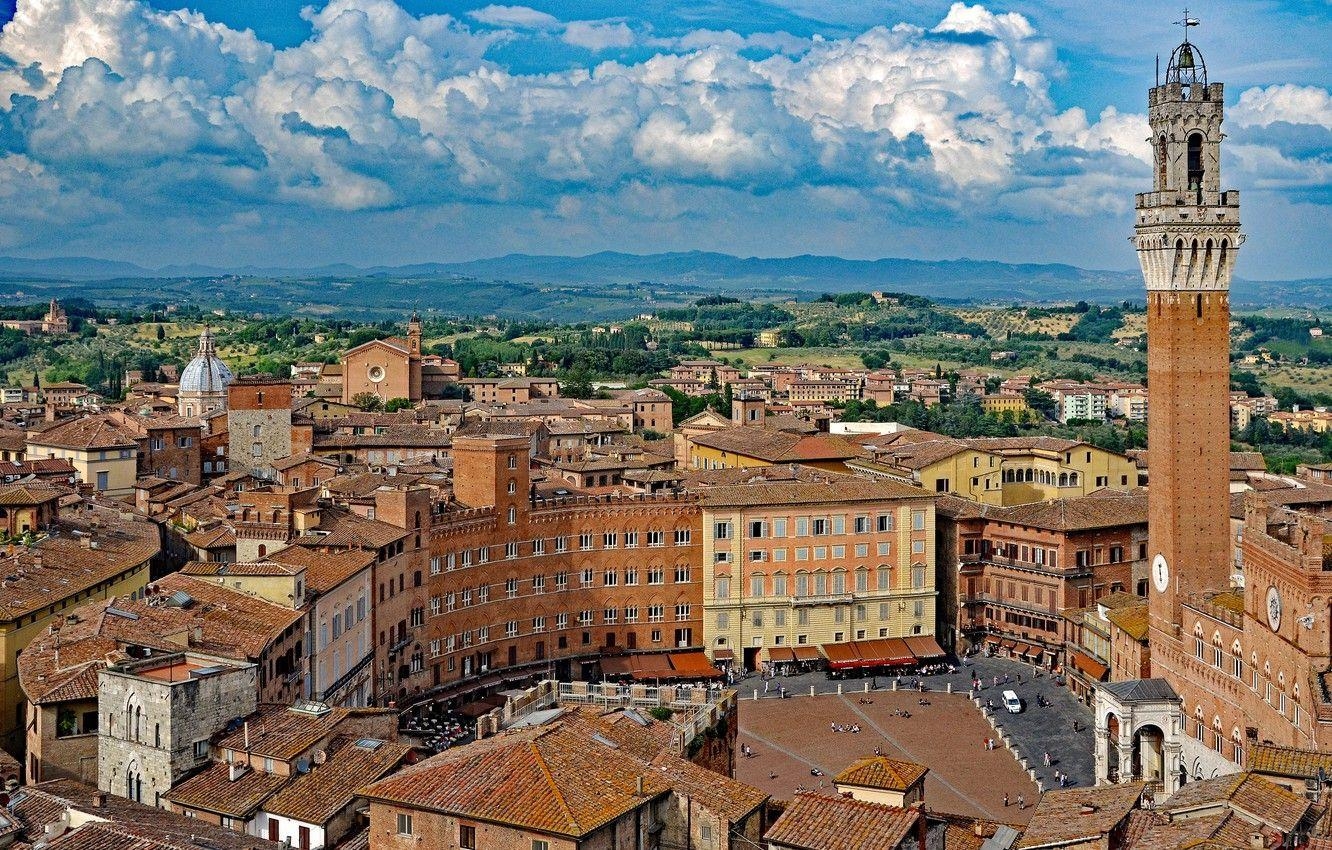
x=99 y=799
x=235 y=770
x=1256 y=841
x=638 y=786
x=979 y=829
x=196 y=635
x=85 y=542
x=247 y=736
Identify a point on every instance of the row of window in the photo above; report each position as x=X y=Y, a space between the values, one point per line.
x=1233 y=663
x=343 y=621
x=656 y=613
x=778 y=616
x=818 y=583
x=560 y=582
x=804 y=526
x=557 y=545
x=884 y=549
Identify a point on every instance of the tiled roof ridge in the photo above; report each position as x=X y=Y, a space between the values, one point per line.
x=548 y=775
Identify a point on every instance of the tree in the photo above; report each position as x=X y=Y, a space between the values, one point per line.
x=393 y=405
x=161 y=333
x=368 y=402
x=1041 y=401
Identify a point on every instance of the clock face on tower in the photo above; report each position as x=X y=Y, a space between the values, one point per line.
x=1160 y=573
x=1274 y=608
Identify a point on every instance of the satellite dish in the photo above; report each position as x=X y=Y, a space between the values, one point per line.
x=302 y=765
x=320 y=757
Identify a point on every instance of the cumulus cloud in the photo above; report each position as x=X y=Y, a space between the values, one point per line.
x=523 y=17
x=1291 y=104
x=598 y=35
x=115 y=105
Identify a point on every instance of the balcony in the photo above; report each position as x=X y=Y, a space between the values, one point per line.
x=401 y=644
x=823 y=599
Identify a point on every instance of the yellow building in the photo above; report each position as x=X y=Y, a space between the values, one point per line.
x=1014 y=403
x=104 y=453
x=77 y=556
x=749 y=446
x=1000 y=470
x=796 y=560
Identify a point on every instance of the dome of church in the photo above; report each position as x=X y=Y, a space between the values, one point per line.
x=206 y=373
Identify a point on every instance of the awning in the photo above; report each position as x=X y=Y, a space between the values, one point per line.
x=992 y=640
x=722 y=655
x=806 y=653
x=647 y=667
x=1094 y=669
x=841 y=656
x=1027 y=650
x=617 y=665
x=925 y=648
x=884 y=652
x=1008 y=644
x=781 y=655
x=475 y=709
x=693 y=665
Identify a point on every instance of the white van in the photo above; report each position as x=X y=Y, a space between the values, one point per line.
x=1012 y=703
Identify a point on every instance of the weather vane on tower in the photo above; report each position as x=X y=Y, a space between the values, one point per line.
x=1187 y=22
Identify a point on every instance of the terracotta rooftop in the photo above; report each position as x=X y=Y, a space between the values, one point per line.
x=818 y=487
x=317 y=796
x=1133 y=620
x=1247 y=793
x=778 y=446
x=123 y=824
x=214 y=790
x=23 y=495
x=1079 y=814
x=1288 y=761
x=89 y=432
x=555 y=779
x=1103 y=509
x=345 y=529
x=283 y=733
x=815 y=821
x=881 y=772
x=324 y=570
x=59 y=566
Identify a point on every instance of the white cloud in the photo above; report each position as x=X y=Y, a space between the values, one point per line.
x=598 y=35
x=1291 y=104
x=522 y=17
x=149 y=111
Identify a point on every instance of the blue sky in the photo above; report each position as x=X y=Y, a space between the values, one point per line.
x=373 y=131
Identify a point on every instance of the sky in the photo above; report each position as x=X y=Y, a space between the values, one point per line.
x=272 y=132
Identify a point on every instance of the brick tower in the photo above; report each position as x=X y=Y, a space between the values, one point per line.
x=1187 y=235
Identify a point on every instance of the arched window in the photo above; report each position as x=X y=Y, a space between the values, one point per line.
x=513 y=515
x=1195 y=162
x=513 y=461
x=513 y=487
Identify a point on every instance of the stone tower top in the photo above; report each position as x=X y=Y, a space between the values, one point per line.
x=1187 y=229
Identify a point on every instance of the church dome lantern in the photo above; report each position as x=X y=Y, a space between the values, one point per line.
x=204 y=380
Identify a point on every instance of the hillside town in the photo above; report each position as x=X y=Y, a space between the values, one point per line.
x=388 y=602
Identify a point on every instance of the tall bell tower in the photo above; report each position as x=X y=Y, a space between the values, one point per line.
x=1187 y=236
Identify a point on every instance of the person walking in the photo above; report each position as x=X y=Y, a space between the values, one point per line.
x=1005 y=799
x=1022 y=803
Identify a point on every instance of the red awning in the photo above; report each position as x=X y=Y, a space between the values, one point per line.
x=897 y=652
x=693 y=665
x=925 y=648
x=647 y=667
x=617 y=665
x=781 y=655
x=841 y=656
x=722 y=655
x=806 y=653
x=1090 y=666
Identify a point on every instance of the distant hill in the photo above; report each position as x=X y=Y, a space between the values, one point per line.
x=682 y=272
